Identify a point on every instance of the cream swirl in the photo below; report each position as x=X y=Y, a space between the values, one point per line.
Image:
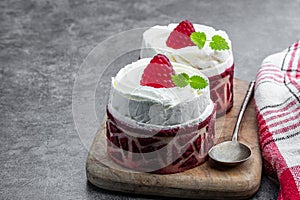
x=156 y=105
x=154 y=41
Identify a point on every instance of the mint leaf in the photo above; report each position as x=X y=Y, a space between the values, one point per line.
x=186 y=76
x=197 y=82
x=198 y=38
x=218 y=43
x=180 y=80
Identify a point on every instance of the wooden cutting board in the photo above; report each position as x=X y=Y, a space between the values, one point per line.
x=206 y=181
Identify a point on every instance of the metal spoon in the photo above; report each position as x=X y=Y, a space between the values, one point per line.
x=231 y=153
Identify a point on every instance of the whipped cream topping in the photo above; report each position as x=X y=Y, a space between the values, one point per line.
x=162 y=106
x=154 y=41
x=128 y=79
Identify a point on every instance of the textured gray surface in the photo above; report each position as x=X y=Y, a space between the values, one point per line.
x=43 y=43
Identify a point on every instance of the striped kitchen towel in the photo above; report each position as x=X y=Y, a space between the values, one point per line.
x=277 y=99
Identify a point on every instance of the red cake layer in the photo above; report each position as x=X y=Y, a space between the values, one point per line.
x=221 y=90
x=164 y=151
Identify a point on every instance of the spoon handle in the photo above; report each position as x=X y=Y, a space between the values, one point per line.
x=243 y=108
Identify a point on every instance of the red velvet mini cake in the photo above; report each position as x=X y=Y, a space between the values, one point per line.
x=201 y=47
x=160 y=117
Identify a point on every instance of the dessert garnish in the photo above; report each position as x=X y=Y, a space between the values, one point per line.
x=180 y=36
x=159 y=73
x=185 y=35
x=217 y=42
x=182 y=80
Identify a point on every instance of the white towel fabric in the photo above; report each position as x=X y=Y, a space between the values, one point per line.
x=277 y=99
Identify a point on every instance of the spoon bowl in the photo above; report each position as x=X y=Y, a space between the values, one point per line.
x=230 y=153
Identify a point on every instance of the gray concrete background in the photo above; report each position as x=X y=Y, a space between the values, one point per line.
x=43 y=43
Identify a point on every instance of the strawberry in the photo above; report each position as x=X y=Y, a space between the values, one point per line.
x=180 y=36
x=158 y=73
